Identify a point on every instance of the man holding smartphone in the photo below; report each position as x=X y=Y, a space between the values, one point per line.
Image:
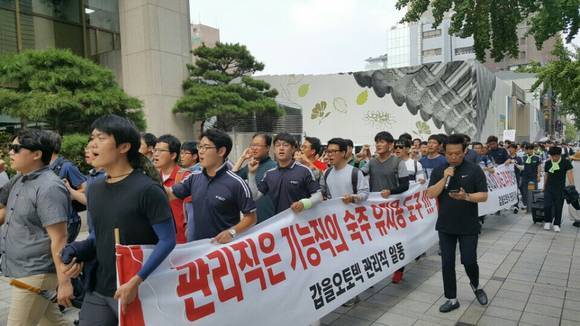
x=458 y=187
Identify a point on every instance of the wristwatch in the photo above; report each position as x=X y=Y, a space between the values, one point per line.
x=232 y=232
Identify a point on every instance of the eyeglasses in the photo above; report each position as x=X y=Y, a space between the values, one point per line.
x=399 y=147
x=286 y=145
x=203 y=148
x=17 y=147
x=157 y=150
x=332 y=151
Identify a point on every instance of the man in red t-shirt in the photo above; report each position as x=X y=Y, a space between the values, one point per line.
x=165 y=158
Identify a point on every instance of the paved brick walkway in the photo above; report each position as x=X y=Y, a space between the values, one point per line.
x=532 y=277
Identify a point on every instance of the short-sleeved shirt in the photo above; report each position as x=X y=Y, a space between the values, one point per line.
x=33 y=202
x=557 y=180
x=471 y=155
x=430 y=164
x=265 y=206
x=132 y=205
x=530 y=171
x=287 y=185
x=459 y=216
x=217 y=201
x=484 y=161
x=93 y=176
x=415 y=170
x=385 y=175
x=339 y=183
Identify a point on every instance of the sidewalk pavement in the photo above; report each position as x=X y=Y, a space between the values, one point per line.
x=531 y=276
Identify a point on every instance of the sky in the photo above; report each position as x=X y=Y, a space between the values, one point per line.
x=302 y=36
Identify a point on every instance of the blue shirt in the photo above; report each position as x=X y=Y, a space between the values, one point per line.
x=65 y=169
x=471 y=156
x=264 y=204
x=217 y=201
x=287 y=185
x=430 y=164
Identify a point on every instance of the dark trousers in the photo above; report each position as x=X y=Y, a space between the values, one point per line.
x=98 y=310
x=73 y=229
x=524 y=188
x=468 y=251
x=553 y=205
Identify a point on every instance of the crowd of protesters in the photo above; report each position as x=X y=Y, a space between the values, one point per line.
x=159 y=191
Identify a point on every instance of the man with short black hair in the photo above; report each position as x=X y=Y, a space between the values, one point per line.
x=556 y=171
x=165 y=158
x=387 y=173
x=470 y=154
x=148 y=141
x=290 y=184
x=498 y=155
x=70 y=174
x=259 y=150
x=129 y=201
x=218 y=194
x=531 y=171
x=458 y=186
x=189 y=157
x=433 y=159
x=308 y=155
x=35 y=206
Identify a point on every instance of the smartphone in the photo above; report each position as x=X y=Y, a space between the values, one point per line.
x=453 y=191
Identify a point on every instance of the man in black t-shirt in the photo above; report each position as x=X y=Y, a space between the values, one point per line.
x=556 y=170
x=458 y=187
x=127 y=200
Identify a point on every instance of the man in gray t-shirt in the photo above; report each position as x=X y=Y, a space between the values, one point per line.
x=387 y=173
x=35 y=207
x=343 y=180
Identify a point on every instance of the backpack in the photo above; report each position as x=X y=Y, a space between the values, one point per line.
x=353 y=178
x=78 y=207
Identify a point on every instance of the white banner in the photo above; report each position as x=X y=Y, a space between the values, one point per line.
x=289 y=270
x=502 y=190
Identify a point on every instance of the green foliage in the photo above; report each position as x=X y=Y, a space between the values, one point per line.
x=493 y=23
x=570 y=132
x=63 y=90
x=5 y=141
x=562 y=77
x=220 y=85
x=73 y=149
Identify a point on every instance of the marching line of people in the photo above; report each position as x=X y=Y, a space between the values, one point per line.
x=162 y=192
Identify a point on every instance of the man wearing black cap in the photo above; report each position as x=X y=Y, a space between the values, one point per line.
x=556 y=171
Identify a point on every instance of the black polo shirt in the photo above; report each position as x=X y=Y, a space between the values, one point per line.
x=217 y=201
x=288 y=185
x=459 y=216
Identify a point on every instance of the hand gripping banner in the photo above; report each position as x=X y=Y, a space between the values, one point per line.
x=289 y=270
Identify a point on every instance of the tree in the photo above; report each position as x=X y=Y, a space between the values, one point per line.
x=63 y=90
x=220 y=85
x=562 y=77
x=493 y=23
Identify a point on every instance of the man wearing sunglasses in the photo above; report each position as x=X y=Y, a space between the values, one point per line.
x=33 y=218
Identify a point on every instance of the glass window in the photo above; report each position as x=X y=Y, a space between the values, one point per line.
x=465 y=50
x=103 y=14
x=431 y=52
x=7 y=4
x=432 y=34
x=42 y=33
x=66 y=10
x=8 y=41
